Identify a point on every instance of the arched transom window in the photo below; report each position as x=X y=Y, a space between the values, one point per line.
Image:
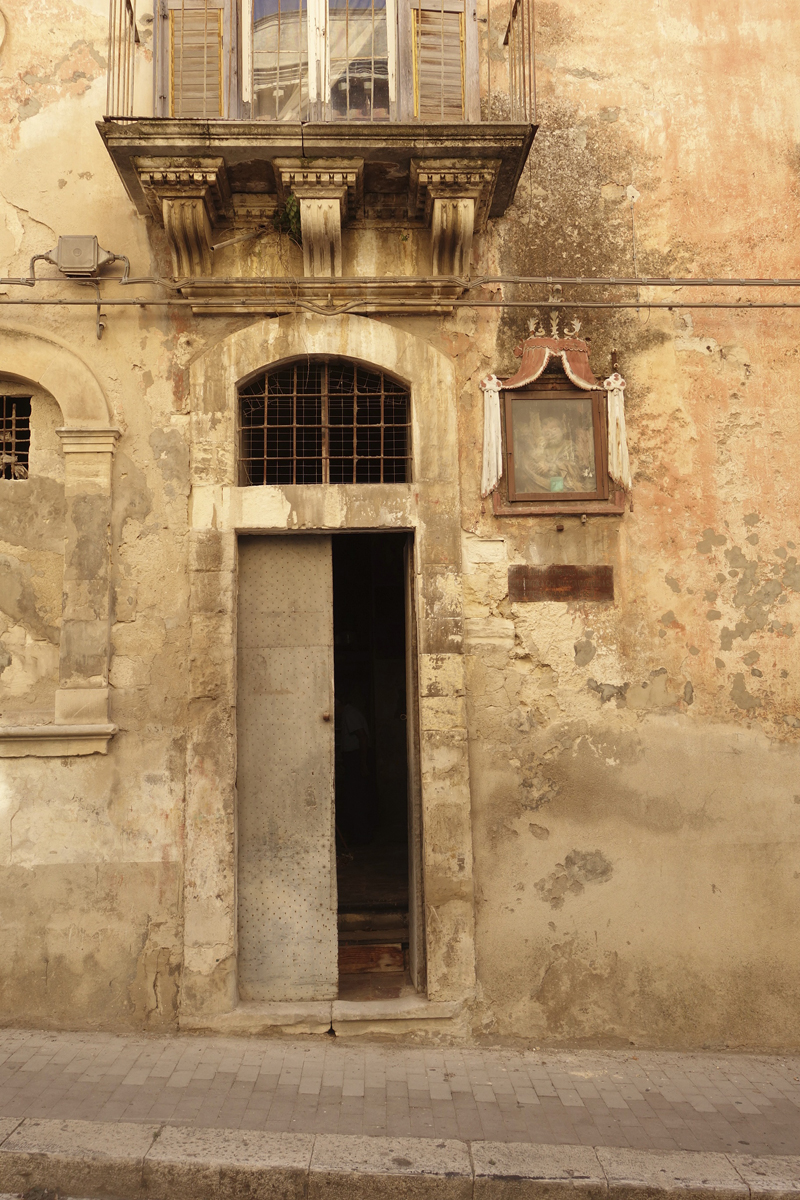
x=324 y=420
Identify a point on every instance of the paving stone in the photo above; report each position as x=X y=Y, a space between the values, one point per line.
x=79 y=1157
x=769 y=1178
x=650 y=1173
x=225 y=1164
x=7 y=1127
x=376 y=1168
x=93 y=1077
x=517 y=1171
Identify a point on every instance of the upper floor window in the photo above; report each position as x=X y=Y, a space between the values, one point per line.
x=324 y=421
x=15 y=436
x=318 y=60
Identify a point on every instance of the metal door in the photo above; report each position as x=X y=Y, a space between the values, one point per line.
x=287 y=854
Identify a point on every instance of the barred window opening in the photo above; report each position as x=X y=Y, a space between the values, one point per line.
x=324 y=421
x=15 y=436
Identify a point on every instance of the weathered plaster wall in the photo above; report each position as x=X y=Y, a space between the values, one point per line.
x=632 y=767
x=90 y=848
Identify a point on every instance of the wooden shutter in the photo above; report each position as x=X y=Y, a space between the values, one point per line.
x=438 y=31
x=195 y=60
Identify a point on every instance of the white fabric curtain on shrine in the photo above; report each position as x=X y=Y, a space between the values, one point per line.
x=492 y=435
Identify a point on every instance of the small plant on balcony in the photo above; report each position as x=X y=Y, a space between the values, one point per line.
x=287 y=220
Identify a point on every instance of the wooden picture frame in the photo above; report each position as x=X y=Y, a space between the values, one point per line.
x=555 y=443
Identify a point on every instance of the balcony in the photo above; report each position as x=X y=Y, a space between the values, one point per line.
x=404 y=125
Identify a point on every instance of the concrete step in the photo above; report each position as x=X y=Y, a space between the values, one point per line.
x=132 y=1161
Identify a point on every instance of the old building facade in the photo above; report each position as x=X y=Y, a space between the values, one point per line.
x=397 y=634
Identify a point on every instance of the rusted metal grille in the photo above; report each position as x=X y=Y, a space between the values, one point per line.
x=15 y=436
x=324 y=421
x=122 y=39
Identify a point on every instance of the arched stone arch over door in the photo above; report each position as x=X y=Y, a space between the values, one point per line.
x=88 y=437
x=220 y=510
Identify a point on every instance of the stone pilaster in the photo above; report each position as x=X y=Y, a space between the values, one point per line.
x=82 y=696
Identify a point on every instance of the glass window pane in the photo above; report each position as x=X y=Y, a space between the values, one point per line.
x=359 y=56
x=280 y=60
x=553 y=445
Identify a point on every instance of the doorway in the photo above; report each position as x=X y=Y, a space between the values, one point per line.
x=329 y=840
x=371 y=664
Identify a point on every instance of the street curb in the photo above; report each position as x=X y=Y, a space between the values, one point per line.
x=131 y=1161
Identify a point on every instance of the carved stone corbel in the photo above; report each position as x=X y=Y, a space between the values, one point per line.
x=189 y=197
x=328 y=192
x=454 y=197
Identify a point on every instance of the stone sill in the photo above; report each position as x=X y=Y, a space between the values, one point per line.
x=256 y=1018
x=260 y=142
x=54 y=741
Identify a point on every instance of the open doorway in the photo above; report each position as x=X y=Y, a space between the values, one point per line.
x=370 y=624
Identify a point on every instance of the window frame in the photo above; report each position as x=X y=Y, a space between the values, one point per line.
x=325 y=426
x=230 y=58
x=551 y=390
x=11 y=438
x=237 y=63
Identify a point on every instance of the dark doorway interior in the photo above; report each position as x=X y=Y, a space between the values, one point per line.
x=372 y=840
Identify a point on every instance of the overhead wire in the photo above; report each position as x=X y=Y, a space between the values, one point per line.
x=438 y=301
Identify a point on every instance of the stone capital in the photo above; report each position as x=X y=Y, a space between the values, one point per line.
x=322 y=179
x=455 y=179
x=88 y=441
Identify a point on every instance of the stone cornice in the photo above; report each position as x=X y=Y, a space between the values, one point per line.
x=376 y=295
x=88 y=441
x=54 y=741
x=131 y=143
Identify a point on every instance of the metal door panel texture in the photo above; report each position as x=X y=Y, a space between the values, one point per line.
x=286 y=847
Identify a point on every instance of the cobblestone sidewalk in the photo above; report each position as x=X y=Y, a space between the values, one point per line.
x=645 y=1100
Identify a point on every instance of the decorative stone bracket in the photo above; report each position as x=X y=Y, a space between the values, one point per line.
x=454 y=196
x=189 y=197
x=328 y=191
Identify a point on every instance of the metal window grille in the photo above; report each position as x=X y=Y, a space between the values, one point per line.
x=122 y=39
x=324 y=421
x=15 y=436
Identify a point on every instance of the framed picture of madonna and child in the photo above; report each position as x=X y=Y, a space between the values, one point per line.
x=554 y=444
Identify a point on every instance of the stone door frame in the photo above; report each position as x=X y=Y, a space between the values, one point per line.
x=219 y=511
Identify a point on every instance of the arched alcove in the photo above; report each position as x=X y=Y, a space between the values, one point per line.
x=50 y=363
x=80 y=723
